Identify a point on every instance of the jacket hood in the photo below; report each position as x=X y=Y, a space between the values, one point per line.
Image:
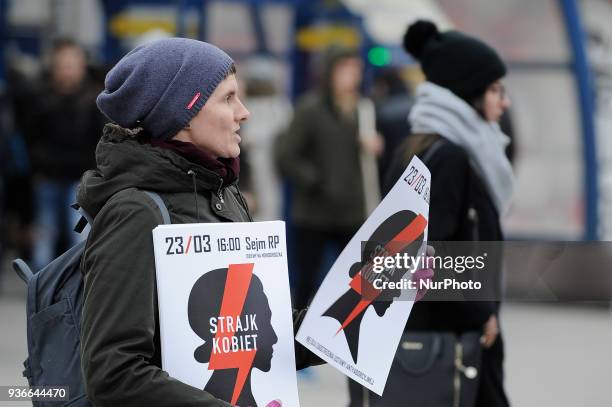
x=124 y=162
x=331 y=58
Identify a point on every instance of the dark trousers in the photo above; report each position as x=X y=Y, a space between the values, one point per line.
x=491 y=389
x=309 y=255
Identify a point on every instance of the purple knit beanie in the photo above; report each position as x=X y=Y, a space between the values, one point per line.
x=161 y=86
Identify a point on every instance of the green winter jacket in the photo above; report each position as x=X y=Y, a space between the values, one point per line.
x=120 y=343
x=319 y=155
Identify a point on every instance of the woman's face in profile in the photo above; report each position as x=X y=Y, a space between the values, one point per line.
x=266 y=338
x=496 y=101
x=215 y=129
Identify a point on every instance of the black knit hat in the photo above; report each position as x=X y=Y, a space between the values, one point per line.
x=463 y=64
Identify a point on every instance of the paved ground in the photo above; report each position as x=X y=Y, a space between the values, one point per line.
x=557 y=355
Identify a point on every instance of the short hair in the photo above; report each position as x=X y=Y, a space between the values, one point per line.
x=65 y=42
x=231 y=71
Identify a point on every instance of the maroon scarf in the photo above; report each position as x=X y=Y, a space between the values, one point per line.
x=227 y=168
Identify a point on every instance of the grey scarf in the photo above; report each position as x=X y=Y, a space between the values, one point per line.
x=438 y=110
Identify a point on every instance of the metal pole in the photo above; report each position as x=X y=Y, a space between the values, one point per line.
x=181 y=17
x=203 y=21
x=111 y=47
x=260 y=35
x=584 y=83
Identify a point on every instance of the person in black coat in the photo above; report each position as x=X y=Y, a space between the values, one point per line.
x=455 y=130
x=61 y=138
x=393 y=101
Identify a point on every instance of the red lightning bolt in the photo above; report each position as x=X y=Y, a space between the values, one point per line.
x=366 y=289
x=234 y=295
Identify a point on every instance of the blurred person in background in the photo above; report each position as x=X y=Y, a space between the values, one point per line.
x=4 y=134
x=271 y=112
x=23 y=78
x=393 y=101
x=459 y=108
x=61 y=140
x=320 y=156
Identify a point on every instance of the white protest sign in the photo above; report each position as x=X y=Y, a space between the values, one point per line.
x=225 y=310
x=358 y=314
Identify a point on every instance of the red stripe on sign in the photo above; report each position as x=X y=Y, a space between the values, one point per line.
x=195 y=99
x=234 y=296
x=188 y=244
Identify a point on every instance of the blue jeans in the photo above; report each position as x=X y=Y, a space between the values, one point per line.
x=52 y=200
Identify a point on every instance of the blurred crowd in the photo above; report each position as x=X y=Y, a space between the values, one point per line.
x=50 y=129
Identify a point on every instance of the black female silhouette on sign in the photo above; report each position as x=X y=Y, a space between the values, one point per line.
x=229 y=310
x=402 y=232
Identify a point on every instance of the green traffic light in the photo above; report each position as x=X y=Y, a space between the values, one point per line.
x=379 y=56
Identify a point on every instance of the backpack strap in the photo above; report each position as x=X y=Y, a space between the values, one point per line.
x=25 y=273
x=161 y=205
x=87 y=219
x=432 y=150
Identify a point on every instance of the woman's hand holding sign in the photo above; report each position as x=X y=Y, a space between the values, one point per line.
x=424 y=274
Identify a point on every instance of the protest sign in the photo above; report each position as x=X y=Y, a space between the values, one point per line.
x=357 y=316
x=225 y=310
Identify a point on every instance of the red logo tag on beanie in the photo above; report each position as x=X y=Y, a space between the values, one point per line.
x=195 y=99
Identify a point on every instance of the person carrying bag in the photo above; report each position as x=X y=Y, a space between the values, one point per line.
x=451 y=353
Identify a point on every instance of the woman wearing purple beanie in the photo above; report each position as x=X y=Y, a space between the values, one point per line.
x=175 y=130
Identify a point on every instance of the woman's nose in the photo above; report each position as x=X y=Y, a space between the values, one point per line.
x=243 y=113
x=506 y=102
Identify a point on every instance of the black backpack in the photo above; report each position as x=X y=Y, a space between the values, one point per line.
x=54 y=306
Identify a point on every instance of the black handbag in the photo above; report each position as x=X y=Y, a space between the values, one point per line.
x=430 y=369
